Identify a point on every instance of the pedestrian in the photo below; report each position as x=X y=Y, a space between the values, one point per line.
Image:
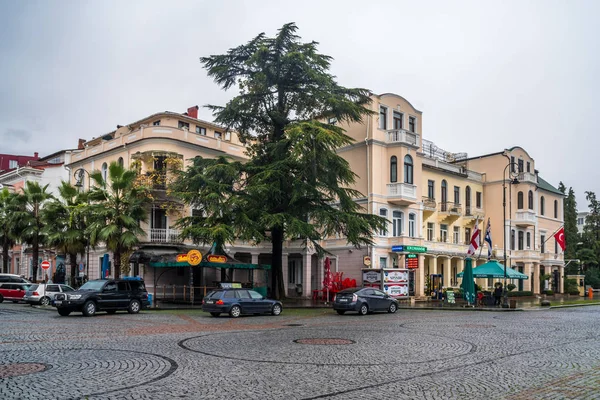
x=498 y=294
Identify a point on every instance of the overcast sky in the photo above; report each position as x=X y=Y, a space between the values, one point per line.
x=487 y=75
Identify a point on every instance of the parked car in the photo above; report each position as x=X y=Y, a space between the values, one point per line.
x=43 y=293
x=13 y=291
x=363 y=301
x=108 y=295
x=236 y=302
x=12 y=278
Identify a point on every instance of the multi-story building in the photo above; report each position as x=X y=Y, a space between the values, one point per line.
x=581 y=217
x=13 y=161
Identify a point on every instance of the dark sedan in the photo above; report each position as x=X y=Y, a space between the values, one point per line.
x=236 y=302
x=363 y=301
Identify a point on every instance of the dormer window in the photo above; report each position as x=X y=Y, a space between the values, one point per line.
x=156 y=123
x=183 y=125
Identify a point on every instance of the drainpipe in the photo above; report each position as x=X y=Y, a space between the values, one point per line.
x=369 y=208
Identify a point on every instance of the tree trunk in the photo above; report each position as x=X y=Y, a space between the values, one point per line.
x=5 y=257
x=276 y=264
x=35 y=254
x=73 y=262
x=117 y=262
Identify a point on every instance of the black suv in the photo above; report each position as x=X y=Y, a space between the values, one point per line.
x=107 y=295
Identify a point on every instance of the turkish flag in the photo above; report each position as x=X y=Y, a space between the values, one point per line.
x=559 y=236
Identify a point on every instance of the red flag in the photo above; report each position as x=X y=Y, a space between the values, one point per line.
x=474 y=244
x=559 y=236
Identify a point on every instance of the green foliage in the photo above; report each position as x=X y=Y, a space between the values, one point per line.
x=510 y=287
x=592 y=278
x=548 y=292
x=519 y=293
x=571 y=286
x=9 y=226
x=570 y=219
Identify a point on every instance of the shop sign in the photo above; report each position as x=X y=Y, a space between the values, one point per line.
x=412 y=261
x=194 y=257
x=182 y=258
x=371 y=276
x=397 y=290
x=367 y=261
x=217 y=259
x=411 y=249
x=395 y=276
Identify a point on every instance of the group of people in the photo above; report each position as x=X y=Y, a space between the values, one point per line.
x=497 y=295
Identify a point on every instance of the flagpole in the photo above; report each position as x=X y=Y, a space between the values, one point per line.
x=551 y=236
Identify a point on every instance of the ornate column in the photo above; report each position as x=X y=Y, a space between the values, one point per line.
x=433 y=265
x=306 y=272
x=561 y=277
x=284 y=267
x=447 y=271
x=420 y=277
x=536 y=278
x=527 y=284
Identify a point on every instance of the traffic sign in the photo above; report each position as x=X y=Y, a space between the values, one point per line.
x=81 y=267
x=45 y=264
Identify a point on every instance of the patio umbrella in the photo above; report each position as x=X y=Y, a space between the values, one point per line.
x=468 y=284
x=493 y=269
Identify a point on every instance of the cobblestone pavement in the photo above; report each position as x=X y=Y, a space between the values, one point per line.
x=413 y=354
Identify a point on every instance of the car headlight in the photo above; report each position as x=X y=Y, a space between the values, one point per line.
x=74 y=296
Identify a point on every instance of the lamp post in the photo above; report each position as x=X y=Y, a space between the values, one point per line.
x=514 y=180
x=79 y=174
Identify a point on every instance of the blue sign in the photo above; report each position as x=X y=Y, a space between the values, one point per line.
x=398 y=248
x=81 y=267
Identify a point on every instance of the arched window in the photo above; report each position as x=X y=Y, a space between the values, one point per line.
x=383 y=213
x=542 y=205
x=555 y=208
x=520 y=200
x=104 y=171
x=530 y=200
x=408 y=169
x=444 y=195
x=394 y=169
x=412 y=224
x=120 y=161
x=468 y=200
x=398 y=223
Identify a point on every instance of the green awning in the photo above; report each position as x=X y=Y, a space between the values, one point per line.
x=493 y=269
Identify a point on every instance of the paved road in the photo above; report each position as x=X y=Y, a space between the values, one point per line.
x=413 y=354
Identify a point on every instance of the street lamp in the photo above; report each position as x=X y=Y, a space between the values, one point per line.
x=79 y=174
x=514 y=173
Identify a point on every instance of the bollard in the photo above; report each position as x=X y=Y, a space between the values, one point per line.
x=590 y=293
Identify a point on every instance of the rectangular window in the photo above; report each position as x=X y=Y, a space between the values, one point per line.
x=382 y=117
x=520 y=165
x=294 y=272
x=456 y=195
x=528 y=240
x=520 y=240
x=13 y=164
x=456 y=235
x=512 y=239
x=528 y=166
x=382 y=262
x=156 y=123
x=555 y=247
x=430 y=228
x=467 y=235
x=332 y=121
x=431 y=189
x=543 y=241
x=183 y=125
x=398 y=117
x=200 y=130
x=478 y=200
x=383 y=213
x=411 y=123
x=412 y=223
x=397 y=223
x=512 y=164
x=443 y=233
x=218 y=135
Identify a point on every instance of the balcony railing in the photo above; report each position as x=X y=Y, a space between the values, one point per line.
x=525 y=217
x=429 y=203
x=165 y=235
x=527 y=177
x=450 y=208
x=402 y=136
x=403 y=191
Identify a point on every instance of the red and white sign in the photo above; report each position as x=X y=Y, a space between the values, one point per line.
x=45 y=264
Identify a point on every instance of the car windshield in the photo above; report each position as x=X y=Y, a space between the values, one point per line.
x=93 y=286
x=33 y=287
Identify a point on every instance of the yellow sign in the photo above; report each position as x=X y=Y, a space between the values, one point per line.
x=194 y=257
x=217 y=259
x=182 y=257
x=367 y=261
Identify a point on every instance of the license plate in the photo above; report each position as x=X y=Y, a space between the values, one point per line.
x=343 y=300
x=209 y=302
x=58 y=302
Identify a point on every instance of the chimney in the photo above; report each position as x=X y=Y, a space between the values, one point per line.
x=193 y=112
x=81 y=144
x=35 y=155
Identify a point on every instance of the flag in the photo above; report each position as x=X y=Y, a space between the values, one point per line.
x=488 y=239
x=474 y=240
x=559 y=236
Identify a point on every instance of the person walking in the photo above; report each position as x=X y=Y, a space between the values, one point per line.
x=498 y=294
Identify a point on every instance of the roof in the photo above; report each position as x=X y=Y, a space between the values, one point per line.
x=542 y=184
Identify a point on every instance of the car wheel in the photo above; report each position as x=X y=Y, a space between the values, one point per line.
x=89 y=308
x=63 y=313
x=111 y=311
x=363 y=310
x=393 y=308
x=276 y=310
x=215 y=314
x=1 y=298
x=341 y=312
x=44 y=301
x=235 y=311
x=134 y=307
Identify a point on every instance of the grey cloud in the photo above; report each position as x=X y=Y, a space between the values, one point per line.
x=20 y=135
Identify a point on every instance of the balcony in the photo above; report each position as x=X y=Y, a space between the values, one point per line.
x=402 y=193
x=525 y=218
x=404 y=137
x=164 y=235
x=449 y=211
x=429 y=206
x=527 y=177
x=550 y=258
x=472 y=213
x=523 y=255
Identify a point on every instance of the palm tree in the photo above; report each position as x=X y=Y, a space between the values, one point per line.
x=32 y=201
x=8 y=224
x=65 y=223
x=118 y=207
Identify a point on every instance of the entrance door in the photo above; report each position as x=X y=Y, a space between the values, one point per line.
x=520 y=280
x=158 y=225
